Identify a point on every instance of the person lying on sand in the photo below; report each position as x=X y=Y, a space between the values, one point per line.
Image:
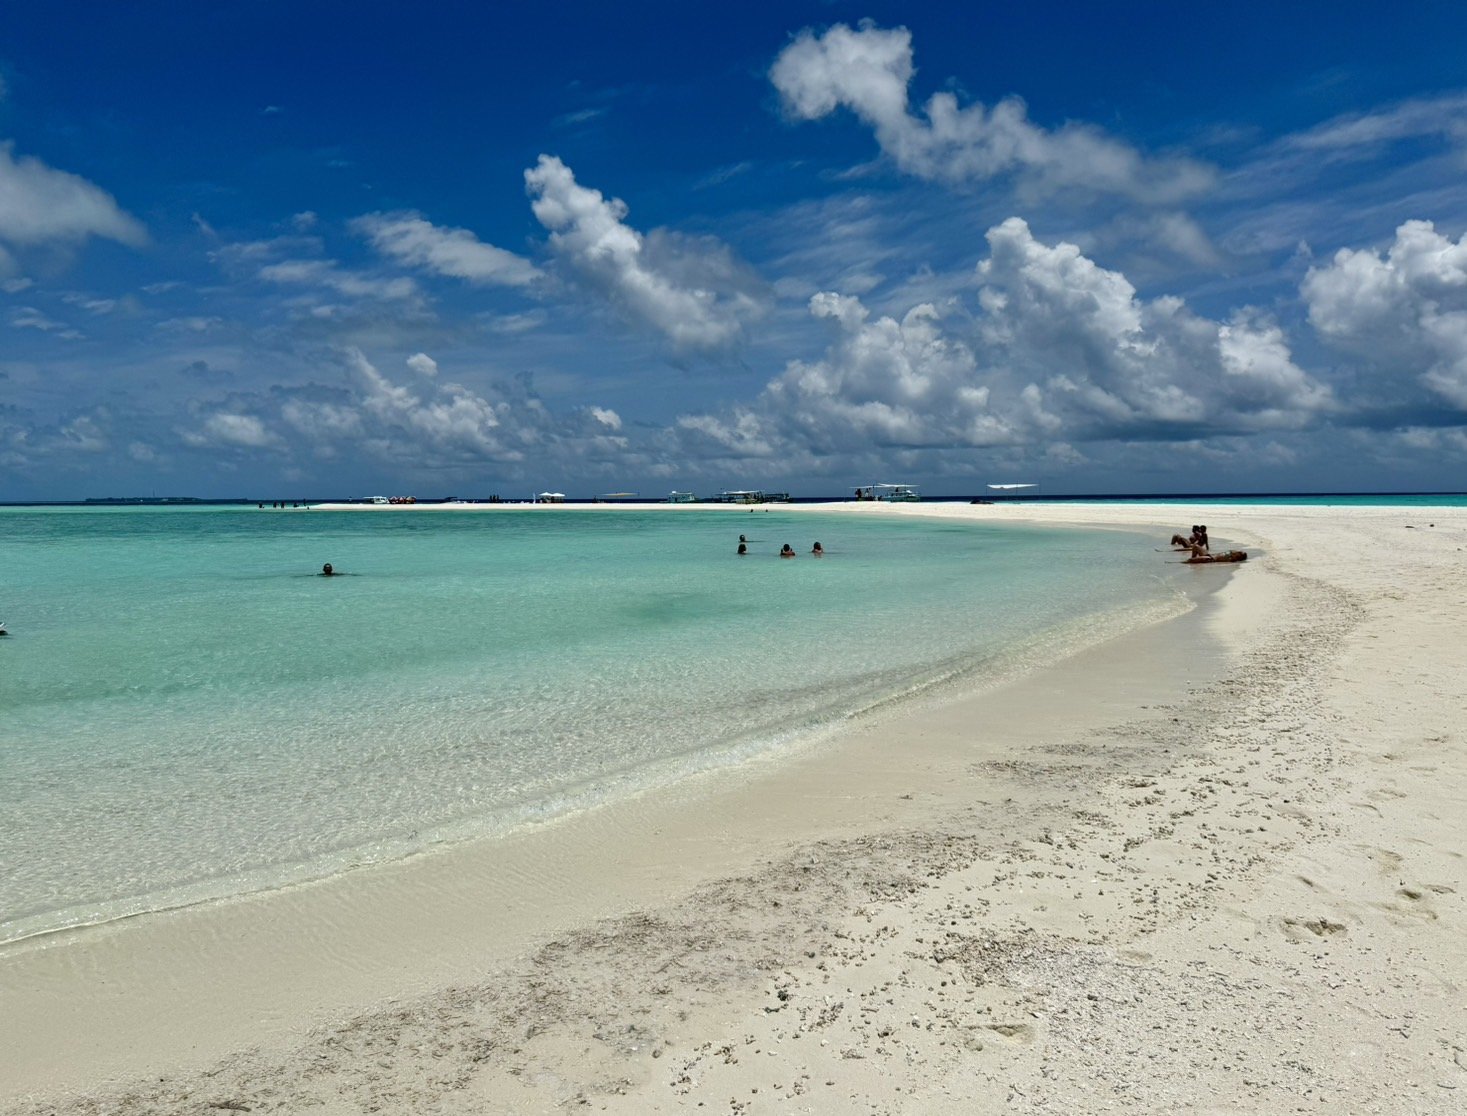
x=1200 y=557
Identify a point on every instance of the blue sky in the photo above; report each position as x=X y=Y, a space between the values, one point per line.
x=321 y=248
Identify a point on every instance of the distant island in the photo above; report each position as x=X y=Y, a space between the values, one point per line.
x=154 y=500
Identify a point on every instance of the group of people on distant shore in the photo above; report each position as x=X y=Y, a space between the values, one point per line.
x=786 y=551
x=1196 y=546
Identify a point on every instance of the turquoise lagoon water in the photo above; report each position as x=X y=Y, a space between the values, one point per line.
x=188 y=711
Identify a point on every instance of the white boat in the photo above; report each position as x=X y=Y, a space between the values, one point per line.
x=746 y=496
x=676 y=497
x=896 y=492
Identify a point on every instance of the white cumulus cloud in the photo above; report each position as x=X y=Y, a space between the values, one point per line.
x=40 y=205
x=868 y=71
x=83 y=435
x=322 y=421
x=428 y=427
x=224 y=428
x=1110 y=363
x=423 y=364
x=888 y=381
x=453 y=418
x=1403 y=313
x=692 y=293
x=1058 y=351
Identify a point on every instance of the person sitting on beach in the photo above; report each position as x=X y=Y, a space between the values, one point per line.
x=786 y=551
x=743 y=546
x=327 y=571
x=818 y=550
x=1198 y=537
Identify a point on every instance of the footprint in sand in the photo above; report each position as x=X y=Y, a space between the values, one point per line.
x=1385 y=860
x=1309 y=929
x=1014 y=1032
x=1416 y=903
x=1387 y=793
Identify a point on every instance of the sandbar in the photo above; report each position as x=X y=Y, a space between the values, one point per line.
x=1214 y=865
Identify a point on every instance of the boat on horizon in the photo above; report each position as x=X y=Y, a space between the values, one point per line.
x=895 y=493
x=750 y=496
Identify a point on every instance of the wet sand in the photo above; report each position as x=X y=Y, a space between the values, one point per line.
x=1211 y=866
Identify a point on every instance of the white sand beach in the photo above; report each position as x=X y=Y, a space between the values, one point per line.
x=1212 y=866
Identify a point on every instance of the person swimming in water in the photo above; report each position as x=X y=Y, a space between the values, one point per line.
x=818 y=550
x=786 y=551
x=327 y=571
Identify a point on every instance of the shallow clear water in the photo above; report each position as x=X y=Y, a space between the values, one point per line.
x=190 y=711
